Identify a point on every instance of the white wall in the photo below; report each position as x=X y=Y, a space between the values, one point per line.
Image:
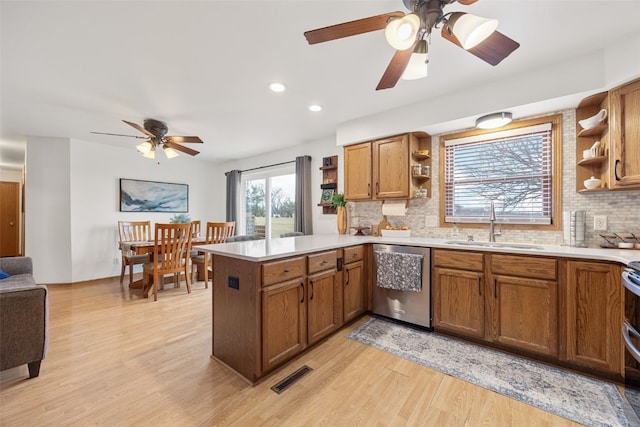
x=48 y=209
x=73 y=203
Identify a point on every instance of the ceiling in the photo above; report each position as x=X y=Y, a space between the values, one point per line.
x=72 y=67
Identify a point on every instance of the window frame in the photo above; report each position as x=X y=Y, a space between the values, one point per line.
x=556 y=171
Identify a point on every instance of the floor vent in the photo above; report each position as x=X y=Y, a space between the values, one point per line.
x=288 y=382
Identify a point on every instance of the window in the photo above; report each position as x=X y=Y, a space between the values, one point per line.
x=517 y=168
x=269 y=201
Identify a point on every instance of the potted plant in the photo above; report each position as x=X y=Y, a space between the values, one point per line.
x=180 y=219
x=339 y=202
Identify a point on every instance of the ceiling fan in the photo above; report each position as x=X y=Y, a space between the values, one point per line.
x=410 y=35
x=155 y=133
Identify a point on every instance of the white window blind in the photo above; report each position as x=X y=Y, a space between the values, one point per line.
x=513 y=168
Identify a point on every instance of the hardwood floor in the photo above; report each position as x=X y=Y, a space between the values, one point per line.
x=117 y=359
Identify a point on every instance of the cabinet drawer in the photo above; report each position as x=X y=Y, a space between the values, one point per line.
x=322 y=261
x=524 y=266
x=279 y=271
x=354 y=253
x=461 y=260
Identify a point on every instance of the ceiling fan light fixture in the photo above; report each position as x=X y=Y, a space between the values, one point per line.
x=494 y=120
x=417 y=67
x=150 y=155
x=401 y=33
x=145 y=147
x=170 y=152
x=469 y=29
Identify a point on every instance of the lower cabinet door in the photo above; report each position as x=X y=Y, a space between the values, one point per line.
x=594 y=316
x=284 y=323
x=322 y=305
x=526 y=314
x=353 y=290
x=458 y=302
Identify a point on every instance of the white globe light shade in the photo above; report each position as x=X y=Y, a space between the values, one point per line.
x=401 y=33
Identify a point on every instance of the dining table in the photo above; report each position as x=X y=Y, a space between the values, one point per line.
x=141 y=247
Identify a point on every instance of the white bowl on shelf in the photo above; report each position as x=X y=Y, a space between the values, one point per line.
x=592 y=183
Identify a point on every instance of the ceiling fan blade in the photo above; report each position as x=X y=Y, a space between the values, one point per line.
x=181 y=148
x=467 y=2
x=351 y=28
x=119 y=134
x=492 y=50
x=182 y=139
x=140 y=128
x=395 y=69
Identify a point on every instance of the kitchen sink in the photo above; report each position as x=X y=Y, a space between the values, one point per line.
x=495 y=244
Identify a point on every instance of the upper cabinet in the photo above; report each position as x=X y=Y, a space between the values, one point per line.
x=609 y=149
x=624 y=126
x=383 y=169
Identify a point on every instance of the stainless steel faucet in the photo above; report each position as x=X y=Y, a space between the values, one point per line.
x=492 y=221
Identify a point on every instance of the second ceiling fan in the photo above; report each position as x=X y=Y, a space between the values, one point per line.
x=410 y=35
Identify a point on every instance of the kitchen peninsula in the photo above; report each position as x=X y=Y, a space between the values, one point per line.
x=272 y=299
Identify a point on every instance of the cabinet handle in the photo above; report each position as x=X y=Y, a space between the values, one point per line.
x=479 y=286
x=286 y=270
x=324 y=261
x=302 y=286
x=311 y=283
x=615 y=169
x=369 y=189
x=377 y=189
x=495 y=288
x=347 y=282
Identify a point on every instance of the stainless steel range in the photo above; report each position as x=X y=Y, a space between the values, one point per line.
x=631 y=334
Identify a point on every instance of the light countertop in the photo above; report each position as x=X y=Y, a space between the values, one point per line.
x=264 y=250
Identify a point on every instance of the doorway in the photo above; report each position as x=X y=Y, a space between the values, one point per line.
x=10 y=219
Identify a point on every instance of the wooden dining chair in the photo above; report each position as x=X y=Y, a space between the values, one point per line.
x=217 y=232
x=171 y=243
x=196 y=226
x=132 y=231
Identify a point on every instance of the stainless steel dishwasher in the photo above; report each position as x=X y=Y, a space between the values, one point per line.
x=402 y=283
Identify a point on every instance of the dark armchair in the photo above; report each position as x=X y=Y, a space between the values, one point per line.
x=23 y=316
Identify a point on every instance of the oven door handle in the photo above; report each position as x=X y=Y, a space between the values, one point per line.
x=629 y=284
x=629 y=332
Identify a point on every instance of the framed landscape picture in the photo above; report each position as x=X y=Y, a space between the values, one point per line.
x=152 y=196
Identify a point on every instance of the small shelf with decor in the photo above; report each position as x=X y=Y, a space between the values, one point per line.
x=329 y=184
x=421 y=168
x=592 y=143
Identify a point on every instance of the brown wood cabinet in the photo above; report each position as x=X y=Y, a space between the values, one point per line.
x=593 y=318
x=524 y=302
x=284 y=332
x=624 y=125
x=324 y=308
x=617 y=162
x=353 y=283
x=381 y=169
x=357 y=171
x=458 y=292
x=517 y=306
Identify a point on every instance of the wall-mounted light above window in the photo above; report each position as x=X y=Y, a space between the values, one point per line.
x=495 y=120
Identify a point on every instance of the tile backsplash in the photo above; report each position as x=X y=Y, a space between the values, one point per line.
x=620 y=207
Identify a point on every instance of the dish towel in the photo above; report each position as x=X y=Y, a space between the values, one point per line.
x=399 y=271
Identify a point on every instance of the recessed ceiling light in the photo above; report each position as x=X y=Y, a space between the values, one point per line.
x=277 y=87
x=315 y=107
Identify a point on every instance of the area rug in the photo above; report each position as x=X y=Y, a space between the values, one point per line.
x=575 y=397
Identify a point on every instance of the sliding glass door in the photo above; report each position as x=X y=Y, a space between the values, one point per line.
x=269 y=201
